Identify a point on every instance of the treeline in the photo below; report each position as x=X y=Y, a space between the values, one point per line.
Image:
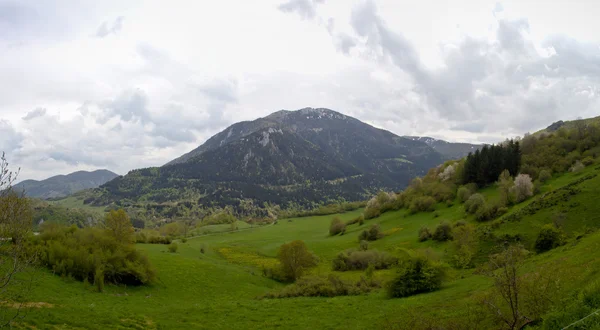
x=484 y=166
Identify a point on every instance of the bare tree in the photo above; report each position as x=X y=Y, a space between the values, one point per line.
x=16 y=275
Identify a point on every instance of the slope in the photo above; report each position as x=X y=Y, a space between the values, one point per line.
x=64 y=185
x=449 y=150
x=303 y=157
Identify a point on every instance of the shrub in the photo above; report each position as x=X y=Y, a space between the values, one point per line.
x=464 y=240
x=418 y=275
x=424 y=234
x=336 y=226
x=487 y=211
x=359 y=260
x=463 y=194
x=319 y=286
x=577 y=167
x=443 y=232
x=92 y=254
x=523 y=188
x=474 y=203
x=295 y=258
x=358 y=219
x=361 y=220
x=544 y=176
x=372 y=234
x=587 y=161
x=548 y=239
x=364 y=245
x=173 y=247
x=422 y=204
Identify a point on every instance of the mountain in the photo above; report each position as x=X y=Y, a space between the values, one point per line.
x=449 y=150
x=64 y=185
x=303 y=157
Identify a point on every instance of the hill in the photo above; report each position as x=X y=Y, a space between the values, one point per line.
x=64 y=185
x=304 y=157
x=449 y=150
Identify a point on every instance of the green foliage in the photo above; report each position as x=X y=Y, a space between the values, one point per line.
x=295 y=259
x=173 y=247
x=372 y=234
x=119 y=225
x=360 y=260
x=463 y=194
x=548 y=239
x=81 y=253
x=364 y=245
x=484 y=166
x=544 y=175
x=151 y=236
x=443 y=232
x=464 y=240
x=417 y=275
x=474 y=202
x=424 y=234
x=320 y=286
x=336 y=226
x=422 y=204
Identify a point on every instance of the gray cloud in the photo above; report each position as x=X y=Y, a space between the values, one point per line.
x=10 y=139
x=107 y=28
x=35 y=113
x=487 y=79
x=130 y=105
x=307 y=9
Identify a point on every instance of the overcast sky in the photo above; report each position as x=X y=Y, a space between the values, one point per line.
x=129 y=84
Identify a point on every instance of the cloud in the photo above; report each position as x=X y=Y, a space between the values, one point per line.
x=131 y=105
x=37 y=112
x=307 y=9
x=106 y=28
x=10 y=139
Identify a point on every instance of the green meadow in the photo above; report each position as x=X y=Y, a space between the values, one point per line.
x=222 y=287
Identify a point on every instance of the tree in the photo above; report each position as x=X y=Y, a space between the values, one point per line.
x=417 y=275
x=15 y=259
x=505 y=303
x=119 y=226
x=549 y=238
x=505 y=183
x=295 y=258
x=523 y=188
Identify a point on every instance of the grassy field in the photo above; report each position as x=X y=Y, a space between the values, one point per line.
x=77 y=203
x=220 y=288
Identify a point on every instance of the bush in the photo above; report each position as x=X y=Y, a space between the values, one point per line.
x=424 y=234
x=548 y=239
x=358 y=219
x=319 y=286
x=587 y=161
x=443 y=232
x=372 y=234
x=336 y=226
x=359 y=260
x=463 y=194
x=364 y=245
x=487 y=211
x=92 y=254
x=173 y=247
x=418 y=275
x=474 y=203
x=544 y=176
x=422 y=204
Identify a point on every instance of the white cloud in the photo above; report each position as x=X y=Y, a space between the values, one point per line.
x=150 y=87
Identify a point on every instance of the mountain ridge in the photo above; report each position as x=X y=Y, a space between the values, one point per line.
x=63 y=185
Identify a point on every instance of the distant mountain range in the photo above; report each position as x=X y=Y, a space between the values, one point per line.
x=64 y=185
x=302 y=157
x=449 y=150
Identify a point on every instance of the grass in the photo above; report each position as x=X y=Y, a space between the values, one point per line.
x=77 y=203
x=218 y=289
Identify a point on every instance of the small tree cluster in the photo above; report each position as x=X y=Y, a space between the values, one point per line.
x=372 y=234
x=548 y=239
x=359 y=260
x=443 y=232
x=417 y=275
x=474 y=202
x=422 y=204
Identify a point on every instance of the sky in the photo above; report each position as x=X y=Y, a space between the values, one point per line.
x=131 y=84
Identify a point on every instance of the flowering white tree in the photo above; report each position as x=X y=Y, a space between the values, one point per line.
x=523 y=188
